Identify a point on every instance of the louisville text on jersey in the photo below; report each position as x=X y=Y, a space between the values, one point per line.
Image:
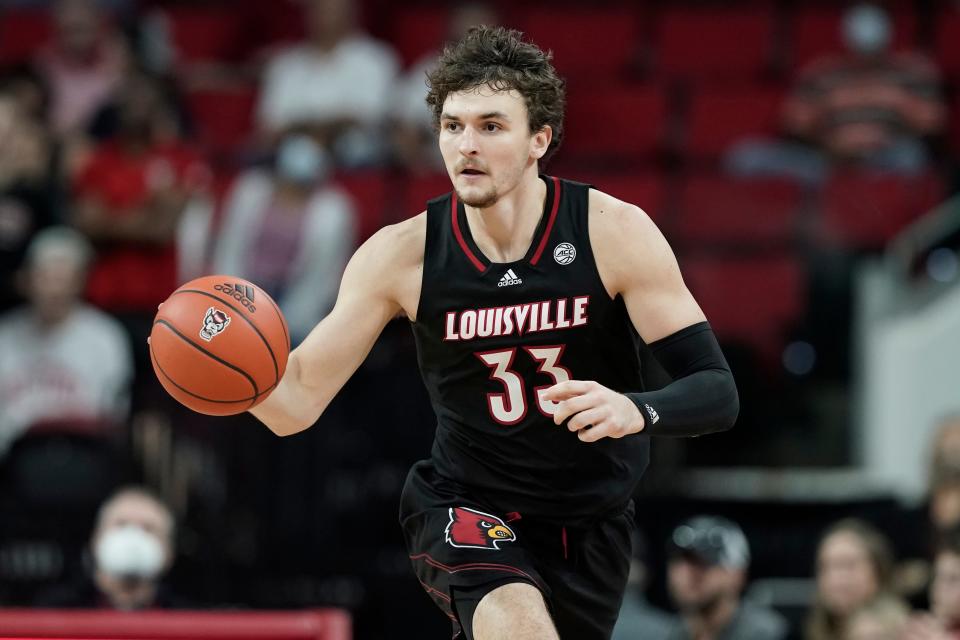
x=518 y=319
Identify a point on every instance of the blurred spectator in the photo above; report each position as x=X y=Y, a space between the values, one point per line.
x=945 y=503
x=130 y=198
x=943 y=622
x=28 y=188
x=28 y=90
x=412 y=132
x=880 y=619
x=83 y=65
x=638 y=618
x=60 y=360
x=854 y=568
x=945 y=448
x=337 y=83
x=290 y=231
x=132 y=548
x=869 y=107
x=709 y=559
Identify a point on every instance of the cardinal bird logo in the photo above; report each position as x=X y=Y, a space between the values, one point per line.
x=472 y=529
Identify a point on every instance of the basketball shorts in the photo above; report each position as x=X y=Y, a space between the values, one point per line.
x=462 y=549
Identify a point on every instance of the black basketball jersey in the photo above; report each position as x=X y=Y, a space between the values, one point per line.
x=491 y=336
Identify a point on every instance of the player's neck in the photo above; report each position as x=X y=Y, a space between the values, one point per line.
x=504 y=231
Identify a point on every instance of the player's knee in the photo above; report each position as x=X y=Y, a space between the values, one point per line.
x=516 y=608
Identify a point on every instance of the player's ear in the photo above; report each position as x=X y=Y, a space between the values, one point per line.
x=540 y=141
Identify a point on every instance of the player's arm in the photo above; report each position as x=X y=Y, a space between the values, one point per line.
x=636 y=262
x=369 y=297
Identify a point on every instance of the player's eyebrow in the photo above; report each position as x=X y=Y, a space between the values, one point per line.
x=490 y=115
x=494 y=115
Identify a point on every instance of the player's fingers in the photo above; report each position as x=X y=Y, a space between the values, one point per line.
x=567 y=389
x=591 y=416
x=576 y=404
x=600 y=430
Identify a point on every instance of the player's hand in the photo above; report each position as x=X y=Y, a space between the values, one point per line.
x=594 y=410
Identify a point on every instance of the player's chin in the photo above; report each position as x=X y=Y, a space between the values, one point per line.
x=479 y=198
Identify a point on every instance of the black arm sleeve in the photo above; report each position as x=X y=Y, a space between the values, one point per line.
x=702 y=397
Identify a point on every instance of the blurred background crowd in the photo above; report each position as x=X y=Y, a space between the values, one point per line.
x=800 y=157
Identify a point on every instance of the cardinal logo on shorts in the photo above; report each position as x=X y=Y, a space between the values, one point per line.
x=214 y=322
x=472 y=529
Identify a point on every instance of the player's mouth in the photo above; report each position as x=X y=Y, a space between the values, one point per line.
x=469 y=171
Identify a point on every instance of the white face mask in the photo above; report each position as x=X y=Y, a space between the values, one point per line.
x=301 y=160
x=129 y=551
x=866 y=29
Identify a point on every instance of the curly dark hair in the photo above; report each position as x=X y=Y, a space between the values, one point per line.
x=499 y=57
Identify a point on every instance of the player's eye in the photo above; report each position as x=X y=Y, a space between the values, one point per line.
x=491 y=127
x=452 y=126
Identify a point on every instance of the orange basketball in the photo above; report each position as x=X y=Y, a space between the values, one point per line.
x=219 y=345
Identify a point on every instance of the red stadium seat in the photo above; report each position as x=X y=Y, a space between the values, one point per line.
x=817 y=32
x=224 y=118
x=718 y=210
x=625 y=123
x=417 y=31
x=208 y=34
x=22 y=33
x=954 y=120
x=645 y=189
x=319 y=624
x=749 y=300
x=419 y=189
x=948 y=51
x=272 y=25
x=370 y=193
x=610 y=35
x=714 y=43
x=721 y=117
x=863 y=210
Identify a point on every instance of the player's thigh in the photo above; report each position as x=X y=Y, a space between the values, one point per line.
x=515 y=610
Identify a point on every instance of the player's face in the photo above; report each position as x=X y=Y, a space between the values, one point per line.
x=486 y=143
x=945 y=590
x=845 y=575
x=695 y=586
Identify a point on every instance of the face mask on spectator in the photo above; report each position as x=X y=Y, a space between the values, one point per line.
x=301 y=160
x=129 y=551
x=866 y=29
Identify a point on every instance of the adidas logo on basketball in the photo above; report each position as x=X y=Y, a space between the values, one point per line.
x=240 y=292
x=509 y=279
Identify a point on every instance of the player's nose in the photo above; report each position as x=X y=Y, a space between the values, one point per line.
x=468 y=142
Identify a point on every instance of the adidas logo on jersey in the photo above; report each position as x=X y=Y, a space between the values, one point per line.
x=509 y=279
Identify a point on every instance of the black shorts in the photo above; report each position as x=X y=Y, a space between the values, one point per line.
x=461 y=549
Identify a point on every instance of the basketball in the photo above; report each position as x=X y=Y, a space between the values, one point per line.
x=219 y=345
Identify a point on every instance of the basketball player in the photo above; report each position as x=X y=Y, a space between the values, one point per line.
x=526 y=294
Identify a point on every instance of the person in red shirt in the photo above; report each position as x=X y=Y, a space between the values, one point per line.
x=129 y=199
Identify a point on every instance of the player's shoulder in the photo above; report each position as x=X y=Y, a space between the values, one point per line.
x=613 y=219
x=406 y=237
x=396 y=247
